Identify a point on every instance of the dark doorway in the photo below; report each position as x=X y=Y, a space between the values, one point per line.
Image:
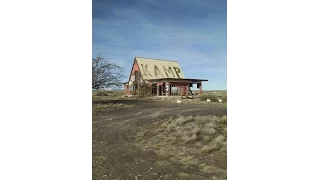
x=160 y=90
x=154 y=89
x=163 y=89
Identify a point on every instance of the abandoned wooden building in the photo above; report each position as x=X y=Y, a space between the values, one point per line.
x=162 y=77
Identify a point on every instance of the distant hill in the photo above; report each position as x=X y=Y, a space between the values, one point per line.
x=110 y=89
x=215 y=90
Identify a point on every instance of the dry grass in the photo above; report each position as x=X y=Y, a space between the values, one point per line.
x=210 y=169
x=212 y=97
x=224 y=97
x=223 y=120
x=220 y=139
x=105 y=95
x=225 y=130
x=109 y=106
x=163 y=163
x=224 y=147
x=186 y=140
x=198 y=145
x=194 y=129
x=183 y=175
x=102 y=93
x=207 y=148
x=189 y=160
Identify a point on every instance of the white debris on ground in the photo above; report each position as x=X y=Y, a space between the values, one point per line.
x=182 y=100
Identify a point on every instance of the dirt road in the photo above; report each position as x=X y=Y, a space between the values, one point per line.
x=114 y=154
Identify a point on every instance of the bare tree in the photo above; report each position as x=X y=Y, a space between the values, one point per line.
x=105 y=74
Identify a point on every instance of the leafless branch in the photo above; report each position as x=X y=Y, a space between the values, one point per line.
x=105 y=74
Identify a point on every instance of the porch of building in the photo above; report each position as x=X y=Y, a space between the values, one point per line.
x=176 y=86
x=171 y=87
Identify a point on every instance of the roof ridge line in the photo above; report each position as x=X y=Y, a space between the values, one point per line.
x=156 y=59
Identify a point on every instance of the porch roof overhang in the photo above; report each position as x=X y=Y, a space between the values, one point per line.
x=189 y=80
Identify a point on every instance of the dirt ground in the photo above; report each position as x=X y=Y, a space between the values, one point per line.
x=115 y=151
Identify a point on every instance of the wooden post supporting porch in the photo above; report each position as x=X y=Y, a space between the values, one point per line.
x=167 y=86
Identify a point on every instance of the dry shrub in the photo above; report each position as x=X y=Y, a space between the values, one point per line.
x=160 y=130
x=210 y=131
x=210 y=124
x=183 y=120
x=204 y=97
x=189 y=160
x=163 y=163
x=182 y=174
x=178 y=133
x=225 y=130
x=171 y=139
x=212 y=97
x=187 y=138
x=220 y=139
x=207 y=138
x=206 y=149
x=99 y=106
x=165 y=124
x=211 y=169
x=208 y=119
x=198 y=145
x=209 y=148
x=224 y=97
x=102 y=93
x=199 y=132
x=177 y=128
x=190 y=126
x=224 y=147
x=184 y=138
x=222 y=120
x=196 y=130
x=198 y=118
x=142 y=89
x=172 y=126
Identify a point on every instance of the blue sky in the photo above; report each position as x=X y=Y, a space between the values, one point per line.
x=192 y=32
